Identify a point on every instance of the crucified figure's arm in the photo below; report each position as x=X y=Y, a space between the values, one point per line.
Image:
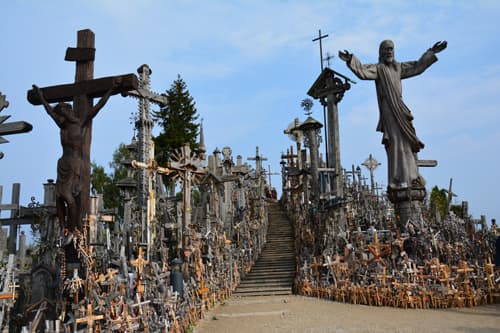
x=50 y=110
x=102 y=101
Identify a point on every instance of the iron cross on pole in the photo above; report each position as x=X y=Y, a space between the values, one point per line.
x=328 y=58
x=319 y=38
x=75 y=123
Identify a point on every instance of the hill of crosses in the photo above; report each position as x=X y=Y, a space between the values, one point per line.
x=164 y=259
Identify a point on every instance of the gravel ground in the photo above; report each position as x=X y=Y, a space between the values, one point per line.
x=296 y=314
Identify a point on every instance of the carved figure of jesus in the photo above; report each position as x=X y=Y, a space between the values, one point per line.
x=395 y=122
x=73 y=126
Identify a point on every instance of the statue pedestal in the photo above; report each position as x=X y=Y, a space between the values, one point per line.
x=407 y=204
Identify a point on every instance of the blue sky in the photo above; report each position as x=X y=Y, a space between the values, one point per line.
x=248 y=65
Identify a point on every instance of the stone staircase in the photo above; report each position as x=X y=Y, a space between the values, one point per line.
x=274 y=271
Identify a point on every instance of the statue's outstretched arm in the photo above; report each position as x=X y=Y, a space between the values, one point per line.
x=363 y=72
x=439 y=46
x=47 y=106
x=102 y=101
x=345 y=55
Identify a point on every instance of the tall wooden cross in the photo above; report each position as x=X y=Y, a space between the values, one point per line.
x=258 y=168
x=258 y=161
x=269 y=174
x=81 y=93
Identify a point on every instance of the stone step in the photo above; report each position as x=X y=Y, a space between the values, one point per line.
x=269 y=274
x=275 y=261
x=285 y=257
x=274 y=271
x=282 y=282
x=288 y=280
x=262 y=287
x=271 y=270
x=263 y=292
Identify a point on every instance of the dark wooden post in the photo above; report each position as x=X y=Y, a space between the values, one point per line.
x=84 y=71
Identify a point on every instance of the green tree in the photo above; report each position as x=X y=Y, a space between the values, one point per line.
x=439 y=199
x=177 y=121
x=105 y=184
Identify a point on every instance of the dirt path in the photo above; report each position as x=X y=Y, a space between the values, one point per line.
x=294 y=314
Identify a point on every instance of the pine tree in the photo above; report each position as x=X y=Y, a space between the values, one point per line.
x=178 y=122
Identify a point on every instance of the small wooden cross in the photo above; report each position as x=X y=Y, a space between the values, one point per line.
x=290 y=156
x=315 y=265
x=383 y=277
x=378 y=250
x=140 y=262
x=446 y=276
x=203 y=290
x=463 y=270
x=89 y=319
x=128 y=319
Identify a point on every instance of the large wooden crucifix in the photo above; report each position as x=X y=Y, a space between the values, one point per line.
x=75 y=123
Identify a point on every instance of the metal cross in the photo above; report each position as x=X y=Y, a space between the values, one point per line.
x=328 y=58
x=320 y=37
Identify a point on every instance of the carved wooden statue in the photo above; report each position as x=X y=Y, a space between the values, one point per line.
x=399 y=136
x=75 y=123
